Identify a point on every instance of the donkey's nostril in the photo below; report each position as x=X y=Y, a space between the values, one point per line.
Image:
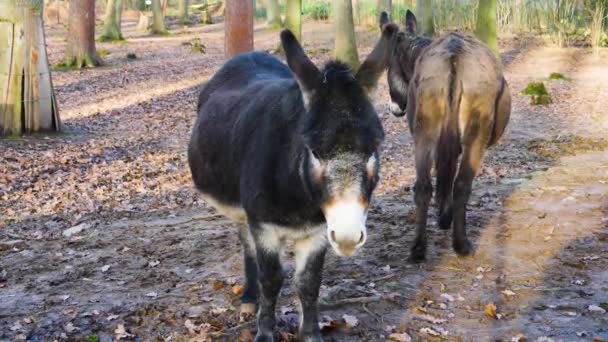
x=361 y=239
x=333 y=235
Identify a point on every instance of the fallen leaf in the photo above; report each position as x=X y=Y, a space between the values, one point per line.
x=595 y=308
x=351 y=321
x=238 y=290
x=429 y=331
x=490 y=311
x=76 y=229
x=190 y=326
x=153 y=263
x=17 y=327
x=447 y=297
x=218 y=284
x=508 y=293
x=121 y=332
x=105 y=268
x=428 y=318
x=70 y=328
x=112 y=317
x=400 y=337
x=151 y=294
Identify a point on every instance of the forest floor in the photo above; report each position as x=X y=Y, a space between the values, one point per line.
x=102 y=233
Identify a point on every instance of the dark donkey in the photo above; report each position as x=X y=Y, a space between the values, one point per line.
x=286 y=152
x=458 y=103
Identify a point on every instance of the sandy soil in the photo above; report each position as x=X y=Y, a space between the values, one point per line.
x=151 y=261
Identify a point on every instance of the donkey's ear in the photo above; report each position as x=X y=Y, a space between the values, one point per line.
x=411 y=24
x=305 y=72
x=384 y=20
x=377 y=61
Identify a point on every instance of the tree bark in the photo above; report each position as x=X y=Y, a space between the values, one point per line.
x=293 y=18
x=486 y=24
x=273 y=14
x=239 y=27
x=112 y=21
x=80 y=51
x=344 y=30
x=158 y=21
x=424 y=9
x=183 y=12
x=27 y=99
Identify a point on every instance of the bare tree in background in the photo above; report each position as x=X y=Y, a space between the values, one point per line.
x=239 y=27
x=344 y=30
x=80 y=51
x=112 y=21
x=184 y=19
x=293 y=18
x=424 y=11
x=486 y=24
x=158 y=20
x=27 y=98
x=273 y=14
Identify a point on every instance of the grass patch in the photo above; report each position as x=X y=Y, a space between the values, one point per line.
x=538 y=93
x=559 y=76
x=103 y=52
x=196 y=45
x=568 y=145
x=92 y=338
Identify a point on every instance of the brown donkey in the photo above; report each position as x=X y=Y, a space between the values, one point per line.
x=457 y=103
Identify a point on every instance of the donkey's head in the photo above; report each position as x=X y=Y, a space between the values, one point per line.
x=341 y=133
x=405 y=49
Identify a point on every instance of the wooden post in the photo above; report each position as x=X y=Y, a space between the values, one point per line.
x=239 y=27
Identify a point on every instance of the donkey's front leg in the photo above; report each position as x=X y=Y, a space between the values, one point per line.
x=270 y=279
x=310 y=255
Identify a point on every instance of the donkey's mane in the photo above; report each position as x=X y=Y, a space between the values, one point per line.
x=338 y=72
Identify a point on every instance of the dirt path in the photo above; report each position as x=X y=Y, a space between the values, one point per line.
x=154 y=259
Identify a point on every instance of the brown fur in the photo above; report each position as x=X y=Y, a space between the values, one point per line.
x=458 y=104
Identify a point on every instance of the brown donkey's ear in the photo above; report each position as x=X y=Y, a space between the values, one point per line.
x=411 y=24
x=384 y=20
x=377 y=61
x=305 y=72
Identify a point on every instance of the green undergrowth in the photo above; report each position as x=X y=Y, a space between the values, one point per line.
x=559 y=76
x=538 y=93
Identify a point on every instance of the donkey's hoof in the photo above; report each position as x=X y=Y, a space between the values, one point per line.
x=418 y=254
x=264 y=337
x=247 y=312
x=463 y=248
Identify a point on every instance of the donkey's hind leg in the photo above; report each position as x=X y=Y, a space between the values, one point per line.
x=250 y=295
x=475 y=139
x=423 y=191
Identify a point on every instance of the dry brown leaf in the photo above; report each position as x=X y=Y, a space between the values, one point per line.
x=351 y=321
x=399 y=337
x=238 y=290
x=218 y=284
x=490 y=311
x=121 y=332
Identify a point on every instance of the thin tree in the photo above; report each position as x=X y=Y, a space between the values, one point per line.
x=158 y=21
x=112 y=21
x=344 y=30
x=27 y=98
x=424 y=11
x=273 y=14
x=293 y=18
x=80 y=51
x=182 y=9
x=239 y=27
x=486 y=24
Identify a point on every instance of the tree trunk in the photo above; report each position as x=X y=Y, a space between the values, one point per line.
x=158 y=21
x=486 y=24
x=409 y=4
x=144 y=21
x=293 y=18
x=112 y=21
x=80 y=51
x=344 y=30
x=184 y=19
x=424 y=9
x=356 y=12
x=239 y=27
x=273 y=14
x=163 y=5
x=27 y=99
x=384 y=5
